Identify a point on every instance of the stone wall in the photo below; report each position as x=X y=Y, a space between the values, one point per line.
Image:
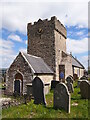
x=46 y=78
x=45 y=39
x=81 y=73
x=60 y=45
x=68 y=67
x=21 y=66
x=41 y=44
x=67 y=61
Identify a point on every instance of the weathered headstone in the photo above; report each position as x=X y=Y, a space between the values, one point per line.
x=83 y=78
x=69 y=79
x=71 y=76
x=38 y=91
x=54 y=83
x=62 y=97
x=85 y=89
x=70 y=87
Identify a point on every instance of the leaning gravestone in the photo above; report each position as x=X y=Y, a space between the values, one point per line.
x=85 y=89
x=70 y=87
x=53 y=84
x=62 y=97
x=69 y=79
x=38 y=91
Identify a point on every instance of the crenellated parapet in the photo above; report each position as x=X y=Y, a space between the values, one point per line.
x=54 y=23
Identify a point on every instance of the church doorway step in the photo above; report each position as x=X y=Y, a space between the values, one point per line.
x=18 y=84
x=62 y=70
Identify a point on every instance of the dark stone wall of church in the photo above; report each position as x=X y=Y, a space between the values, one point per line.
x=42 y=40
x=18 y=66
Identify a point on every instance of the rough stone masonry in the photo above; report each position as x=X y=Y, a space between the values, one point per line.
x=47 y=39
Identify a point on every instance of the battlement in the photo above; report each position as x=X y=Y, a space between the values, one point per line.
x=54 y=22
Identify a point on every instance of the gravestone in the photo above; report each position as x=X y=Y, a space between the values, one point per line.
x=71 y=76
x=78 y=83
x=85 y=89
x=53 y=84
x=38 y=91
x=69 y=79
x=83 y=78
x=62 y=97
x=70 y=87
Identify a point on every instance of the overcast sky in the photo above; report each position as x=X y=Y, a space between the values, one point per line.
x=15 y=14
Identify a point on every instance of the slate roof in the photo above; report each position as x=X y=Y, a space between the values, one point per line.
x=37 y=64
x=76 y=63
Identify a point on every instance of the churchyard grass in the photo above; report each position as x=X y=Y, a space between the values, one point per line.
x=1 y=85
x=79 y=108
x=89 y=79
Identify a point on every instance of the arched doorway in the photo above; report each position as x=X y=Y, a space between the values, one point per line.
x=18 y=83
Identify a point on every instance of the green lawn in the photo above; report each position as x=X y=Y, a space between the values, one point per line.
x=39 y=111
x=1 y=85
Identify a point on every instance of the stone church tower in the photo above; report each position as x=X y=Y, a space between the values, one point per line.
x=47 y=39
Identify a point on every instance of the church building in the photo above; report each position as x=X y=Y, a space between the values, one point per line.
x=46 y=56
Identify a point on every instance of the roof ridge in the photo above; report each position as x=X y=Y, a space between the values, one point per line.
x=77 y=60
